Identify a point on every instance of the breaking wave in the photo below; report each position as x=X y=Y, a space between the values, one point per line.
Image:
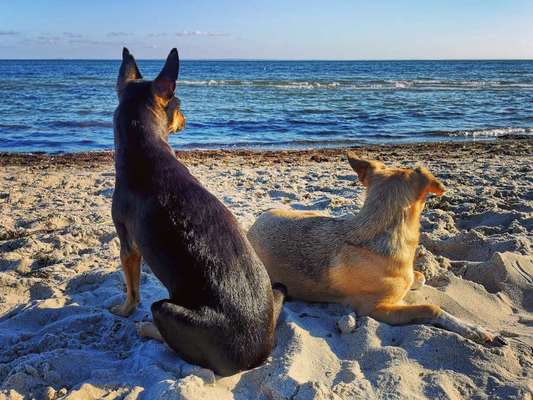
x=417 y=84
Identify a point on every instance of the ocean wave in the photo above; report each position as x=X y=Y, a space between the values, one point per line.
x=341 y=84
x=264 y=144
x=488 y=133
x=14 y=127
x=299 y=143
x=328 y=139
x=414 y=84
x=80 y=124
x=261 y=83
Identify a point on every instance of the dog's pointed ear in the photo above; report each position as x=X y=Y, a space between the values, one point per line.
x=428 y=183
x=128 y=70
x=164 y=85
x=363 y=168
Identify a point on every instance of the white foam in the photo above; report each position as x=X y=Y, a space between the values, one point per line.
x=415 y=84
x=495 y=132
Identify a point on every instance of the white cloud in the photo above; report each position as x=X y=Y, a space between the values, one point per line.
x=117 y=34
x=9 y=33
x=200 y=33
x=157 y=35
x=72 y=35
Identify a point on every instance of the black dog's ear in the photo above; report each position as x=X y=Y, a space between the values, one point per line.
x=128 y=70
x=165 y=83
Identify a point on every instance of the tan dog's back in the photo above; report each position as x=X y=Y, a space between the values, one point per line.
x=311 y=255
x=297 y=252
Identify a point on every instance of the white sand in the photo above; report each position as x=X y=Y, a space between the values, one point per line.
x=59 y=273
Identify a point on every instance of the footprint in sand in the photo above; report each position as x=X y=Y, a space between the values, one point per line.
x=280 y=195
x=320 y=204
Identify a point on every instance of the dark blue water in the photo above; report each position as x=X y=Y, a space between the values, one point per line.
x=63 y=106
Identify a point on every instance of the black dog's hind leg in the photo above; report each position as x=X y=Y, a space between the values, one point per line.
x=196 y=335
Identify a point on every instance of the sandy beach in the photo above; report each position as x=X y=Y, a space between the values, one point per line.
x=60 y=272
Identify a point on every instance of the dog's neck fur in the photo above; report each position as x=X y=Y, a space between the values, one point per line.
x=138 y=126
x=140 y=134
x=388 y=223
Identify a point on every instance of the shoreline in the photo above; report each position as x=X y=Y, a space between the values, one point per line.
x=452 y=149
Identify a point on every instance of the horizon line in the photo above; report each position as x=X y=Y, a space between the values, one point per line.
x=273 y=59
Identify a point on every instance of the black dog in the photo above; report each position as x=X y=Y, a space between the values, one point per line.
x=222 y=311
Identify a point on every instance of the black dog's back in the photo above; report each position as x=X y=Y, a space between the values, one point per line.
x=196 y=248
x=221 y=312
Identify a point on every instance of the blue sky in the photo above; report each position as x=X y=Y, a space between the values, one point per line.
x=277 y=29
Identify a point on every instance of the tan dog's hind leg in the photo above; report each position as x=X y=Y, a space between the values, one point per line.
x=399 y=314
x=131 y=265
x=419 y=280
x=470 y=331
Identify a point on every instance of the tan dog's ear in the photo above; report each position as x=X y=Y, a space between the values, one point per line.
x=363 y=168
x=429 y=183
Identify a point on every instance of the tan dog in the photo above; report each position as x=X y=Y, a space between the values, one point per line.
x=364 y=260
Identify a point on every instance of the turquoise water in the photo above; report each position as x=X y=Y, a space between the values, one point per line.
x=64 y=106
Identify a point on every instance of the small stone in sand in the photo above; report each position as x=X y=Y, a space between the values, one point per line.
x=51 y=393
x=347 y=323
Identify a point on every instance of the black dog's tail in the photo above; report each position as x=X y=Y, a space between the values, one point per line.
x=280 y=287
x=279 y=292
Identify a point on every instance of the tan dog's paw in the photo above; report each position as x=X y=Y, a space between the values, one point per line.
x=473 y=332
x=124 y=310
x=419 y=281
x=483 y=336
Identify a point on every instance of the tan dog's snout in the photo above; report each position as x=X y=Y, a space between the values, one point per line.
x=437 y=187
x=434 y=185
x=429 y=183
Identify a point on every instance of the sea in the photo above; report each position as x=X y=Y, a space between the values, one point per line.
x=58 y=106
